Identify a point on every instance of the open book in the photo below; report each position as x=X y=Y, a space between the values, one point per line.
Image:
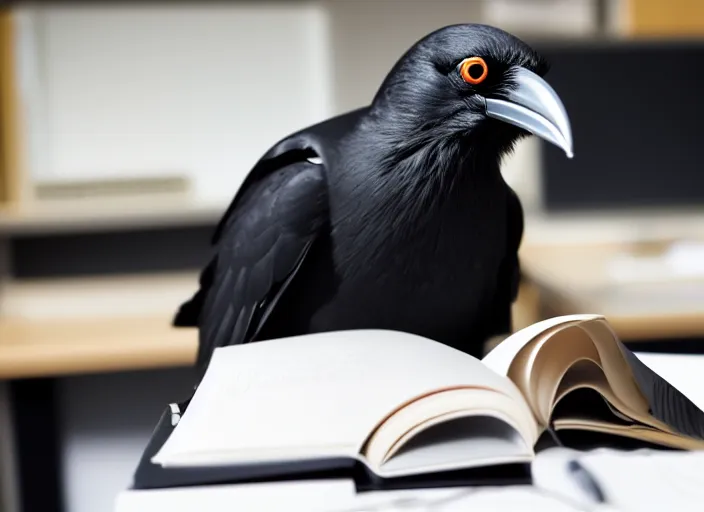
x=403 y=405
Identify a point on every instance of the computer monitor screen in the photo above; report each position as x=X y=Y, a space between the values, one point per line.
x=637 y=115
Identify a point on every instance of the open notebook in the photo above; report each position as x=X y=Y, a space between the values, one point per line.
x=403 y=405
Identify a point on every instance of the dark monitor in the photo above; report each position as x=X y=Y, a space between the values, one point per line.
x=637 y=114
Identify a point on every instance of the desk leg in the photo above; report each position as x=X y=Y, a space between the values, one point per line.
x=36 y=431
x=9 y=488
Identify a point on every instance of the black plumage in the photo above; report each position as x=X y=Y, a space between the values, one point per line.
x=393 y=216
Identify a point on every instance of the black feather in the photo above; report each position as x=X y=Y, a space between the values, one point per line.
x=260 y=245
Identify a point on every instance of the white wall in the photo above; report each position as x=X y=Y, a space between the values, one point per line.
x=200 y=90
x=368 y=36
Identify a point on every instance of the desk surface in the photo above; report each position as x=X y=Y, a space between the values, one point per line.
x=621 y=281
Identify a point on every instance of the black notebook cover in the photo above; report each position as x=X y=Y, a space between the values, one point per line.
x=667 y=403
x=154 y=476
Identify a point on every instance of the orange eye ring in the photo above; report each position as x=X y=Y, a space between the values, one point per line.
x=467 y=64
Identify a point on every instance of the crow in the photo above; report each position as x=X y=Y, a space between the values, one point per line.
x=391 y=216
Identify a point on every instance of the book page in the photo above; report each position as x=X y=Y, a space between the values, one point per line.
x=313 y=396
x=538 y=358
x=476 y=413
x=500 y=357
x=457 y=443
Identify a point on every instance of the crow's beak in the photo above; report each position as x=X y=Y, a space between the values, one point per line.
x=534 y=106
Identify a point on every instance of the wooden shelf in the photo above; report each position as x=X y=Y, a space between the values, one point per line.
x=89 y=325
x=62 y=347
x=671 y=18
x=10 y=139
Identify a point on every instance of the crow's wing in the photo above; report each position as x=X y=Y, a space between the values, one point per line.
x=259 y=244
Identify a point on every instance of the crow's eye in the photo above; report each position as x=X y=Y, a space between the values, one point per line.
x=473 y=70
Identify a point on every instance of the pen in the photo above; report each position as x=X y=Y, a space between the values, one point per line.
x=586 y=481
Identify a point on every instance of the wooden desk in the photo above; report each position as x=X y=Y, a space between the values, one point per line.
x=64 y=326
x=577 y=279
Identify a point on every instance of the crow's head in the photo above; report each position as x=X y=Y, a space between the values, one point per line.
x=474 y=83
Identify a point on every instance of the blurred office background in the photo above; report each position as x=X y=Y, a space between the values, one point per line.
x=126 y=128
